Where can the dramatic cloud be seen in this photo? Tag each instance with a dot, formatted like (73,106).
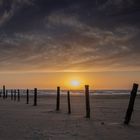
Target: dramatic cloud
(71,35)
(9,8)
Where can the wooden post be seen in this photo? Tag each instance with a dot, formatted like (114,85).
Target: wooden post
(69,105)
(15,96)
(6,95)
(35,97)
(27,97)
(58,99)
(11,94)
(4,92)
(18,95)
(87,101)
(131,104)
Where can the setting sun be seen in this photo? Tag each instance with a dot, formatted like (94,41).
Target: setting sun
(75,83)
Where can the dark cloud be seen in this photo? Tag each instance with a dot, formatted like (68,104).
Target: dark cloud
(48,35)
(10,7)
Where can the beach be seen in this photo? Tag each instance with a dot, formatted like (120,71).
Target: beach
(21,121)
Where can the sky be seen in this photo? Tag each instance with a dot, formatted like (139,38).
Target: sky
(46,43)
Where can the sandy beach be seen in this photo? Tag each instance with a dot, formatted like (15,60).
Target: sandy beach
(19,121)
(78,63)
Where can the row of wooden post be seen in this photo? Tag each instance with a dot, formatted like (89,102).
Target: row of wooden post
(87,100)
(15,95)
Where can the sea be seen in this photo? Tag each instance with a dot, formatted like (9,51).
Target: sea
(75,92)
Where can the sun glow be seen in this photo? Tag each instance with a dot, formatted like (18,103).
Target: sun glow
(75,83)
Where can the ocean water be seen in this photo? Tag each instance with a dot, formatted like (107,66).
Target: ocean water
(76,92)
(95,92)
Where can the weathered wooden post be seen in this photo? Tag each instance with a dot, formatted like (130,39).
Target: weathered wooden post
(87,101)
(6,95)
(18,92)
(35,97)
(15,95)
(131,104)
(11,94)
(4,92)
(27,96)
(69,105)
(58,99)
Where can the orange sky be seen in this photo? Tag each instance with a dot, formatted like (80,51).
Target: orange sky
(96,80)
